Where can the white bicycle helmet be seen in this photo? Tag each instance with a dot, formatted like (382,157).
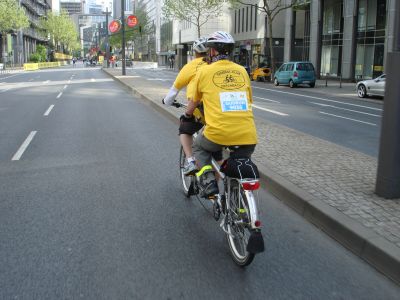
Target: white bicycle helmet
(221,41)
(199,45)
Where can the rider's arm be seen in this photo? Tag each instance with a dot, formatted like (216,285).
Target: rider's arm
(172,93)
(196,96)
(181,81)
(191,107)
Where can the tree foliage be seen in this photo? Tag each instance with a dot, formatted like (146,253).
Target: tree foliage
(196,12)
(271,8)
(61,30)
(143,28)
(12,16)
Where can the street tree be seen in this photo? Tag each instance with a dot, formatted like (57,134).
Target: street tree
(196,12)
(12,17)
(61,30)
(271,8)
(137,34)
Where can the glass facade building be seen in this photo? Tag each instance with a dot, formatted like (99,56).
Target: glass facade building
(371,32)
(332,37)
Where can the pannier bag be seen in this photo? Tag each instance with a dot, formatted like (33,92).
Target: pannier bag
(241,168)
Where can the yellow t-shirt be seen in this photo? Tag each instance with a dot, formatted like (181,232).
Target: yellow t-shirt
(225,90)
(187,73)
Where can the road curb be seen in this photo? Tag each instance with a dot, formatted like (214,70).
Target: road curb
(359,239)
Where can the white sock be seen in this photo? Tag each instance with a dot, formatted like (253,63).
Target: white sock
(191,159)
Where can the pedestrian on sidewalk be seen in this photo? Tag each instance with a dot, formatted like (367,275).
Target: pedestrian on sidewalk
(171,61)
(189,124)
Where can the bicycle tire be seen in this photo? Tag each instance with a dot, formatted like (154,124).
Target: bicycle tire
(186,180)
(238,233)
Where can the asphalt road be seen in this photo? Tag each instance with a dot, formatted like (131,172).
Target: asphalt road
(352,123)
(92,208)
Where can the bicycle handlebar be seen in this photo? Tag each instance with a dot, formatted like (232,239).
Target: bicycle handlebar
(178,104)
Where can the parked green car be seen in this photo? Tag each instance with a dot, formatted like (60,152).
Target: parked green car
(294,73)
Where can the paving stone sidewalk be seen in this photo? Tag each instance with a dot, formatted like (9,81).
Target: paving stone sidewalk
(330,185)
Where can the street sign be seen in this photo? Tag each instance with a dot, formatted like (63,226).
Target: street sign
(131,21)
(114,26)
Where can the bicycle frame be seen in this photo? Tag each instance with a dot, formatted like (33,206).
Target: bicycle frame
(253,211)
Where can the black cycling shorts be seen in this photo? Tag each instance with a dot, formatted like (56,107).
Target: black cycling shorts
(190,127)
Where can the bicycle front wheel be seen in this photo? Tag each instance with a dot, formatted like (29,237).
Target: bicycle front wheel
(238,226)
(186,180)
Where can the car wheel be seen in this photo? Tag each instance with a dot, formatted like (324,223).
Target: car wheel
(292,84)
(312,84)
(362,91)
(276,82)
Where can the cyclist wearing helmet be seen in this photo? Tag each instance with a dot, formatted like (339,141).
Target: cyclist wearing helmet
(188,124)
(225,91)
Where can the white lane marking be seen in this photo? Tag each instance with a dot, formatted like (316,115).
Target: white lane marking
(6,90)
(69,81)
(266,99)
(355,120)
(128,76)
(47,81)
(318,98)
(65,86)
(59,95)
(48,110)
(342,108)
(24,145)
(9,76)
(157,79)
(270,110)
(92,80)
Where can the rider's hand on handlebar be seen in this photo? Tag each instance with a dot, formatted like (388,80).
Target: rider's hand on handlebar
(186,118)
(176,104)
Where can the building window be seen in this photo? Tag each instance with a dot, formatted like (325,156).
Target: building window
(371,36)
(255,17)
(332,38)
(234,25)
(247,18)
(243,19)
(251,17)
(239,20)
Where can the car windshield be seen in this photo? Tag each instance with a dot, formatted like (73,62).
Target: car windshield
(305,67)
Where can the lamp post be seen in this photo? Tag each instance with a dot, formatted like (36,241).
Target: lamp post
(107,41)
(123,35)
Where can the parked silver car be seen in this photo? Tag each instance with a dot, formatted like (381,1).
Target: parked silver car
(372,87)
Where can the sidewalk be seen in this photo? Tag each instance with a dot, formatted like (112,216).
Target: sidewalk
(329,185)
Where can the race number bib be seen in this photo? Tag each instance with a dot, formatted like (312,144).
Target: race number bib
(233,101)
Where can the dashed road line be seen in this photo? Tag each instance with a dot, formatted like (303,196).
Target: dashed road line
(270,110)
(59,95)
(48,110)
(24,145)
(341,117)
(318,98)
(346,109)
(65,86)
(266,99)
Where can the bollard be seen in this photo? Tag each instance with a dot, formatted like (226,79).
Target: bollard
(326,79)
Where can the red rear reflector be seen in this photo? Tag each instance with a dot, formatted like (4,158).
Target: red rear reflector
(257,223)
(251,186)
(295,74)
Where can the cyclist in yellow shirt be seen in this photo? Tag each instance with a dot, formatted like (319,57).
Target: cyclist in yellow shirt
(188,124)
(224,89)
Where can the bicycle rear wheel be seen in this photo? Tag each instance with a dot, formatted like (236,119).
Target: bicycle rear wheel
(186,180)
(238,226)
